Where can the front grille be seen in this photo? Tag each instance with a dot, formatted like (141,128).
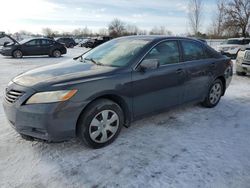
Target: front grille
(247,56)
(13,95)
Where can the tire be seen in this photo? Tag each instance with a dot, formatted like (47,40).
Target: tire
(26,137)
(56,53)
(71,45)
(95,124)
(17,54)
(241,73)
(214,94)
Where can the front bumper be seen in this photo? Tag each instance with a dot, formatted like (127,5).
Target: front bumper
(52,122)
(5,52)
(243,66)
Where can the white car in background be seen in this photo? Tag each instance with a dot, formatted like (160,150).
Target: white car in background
(243,62)
(232,46)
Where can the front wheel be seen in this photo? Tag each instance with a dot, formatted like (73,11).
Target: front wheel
(214,94)
(101,123)
(17,54)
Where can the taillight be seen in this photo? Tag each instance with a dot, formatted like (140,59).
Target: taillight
(231,63)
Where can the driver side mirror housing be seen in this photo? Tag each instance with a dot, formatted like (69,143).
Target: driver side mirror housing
(5,43)
(148,64)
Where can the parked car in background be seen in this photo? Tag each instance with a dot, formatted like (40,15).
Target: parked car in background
(114,84)
(34,46)
(243,62)
(92,43)
(83,42)
(68,41)
(232,46)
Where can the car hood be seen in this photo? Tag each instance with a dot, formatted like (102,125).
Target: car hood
(62,72)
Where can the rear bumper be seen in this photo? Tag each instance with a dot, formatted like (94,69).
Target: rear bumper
(52,122)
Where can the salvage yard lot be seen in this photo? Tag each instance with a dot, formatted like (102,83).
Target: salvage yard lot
(188,146)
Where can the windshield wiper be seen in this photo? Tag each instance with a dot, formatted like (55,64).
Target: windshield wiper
(93,61)
(80,56)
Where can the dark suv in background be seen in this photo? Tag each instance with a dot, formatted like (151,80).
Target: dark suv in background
(113,85)
(92,43)
(69,42)
(33,46)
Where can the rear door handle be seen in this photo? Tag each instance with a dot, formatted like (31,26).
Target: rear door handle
(179,71)
(212,65)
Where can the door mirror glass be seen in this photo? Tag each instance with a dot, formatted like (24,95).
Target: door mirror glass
(149,64)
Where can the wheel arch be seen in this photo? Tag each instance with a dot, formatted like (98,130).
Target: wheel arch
(223,80)
(115,98)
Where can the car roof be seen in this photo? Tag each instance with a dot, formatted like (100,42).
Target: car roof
(160,37)
(37,38)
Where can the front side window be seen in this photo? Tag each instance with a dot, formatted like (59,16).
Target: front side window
(117,53)
(192,51)
(33,43)
(165,52)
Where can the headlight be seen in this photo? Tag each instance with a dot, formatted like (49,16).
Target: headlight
(233,48)
(51,96)
(7,48)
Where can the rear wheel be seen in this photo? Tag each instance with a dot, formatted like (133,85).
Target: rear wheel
(241,73)
(57,53)
(101,123)
(214,94)
(26,137)
(71,45)
(17,54)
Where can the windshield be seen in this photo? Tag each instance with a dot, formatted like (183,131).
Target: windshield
(117,52)
(234,41)
(24,41)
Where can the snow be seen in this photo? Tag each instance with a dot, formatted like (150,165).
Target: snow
(188,146)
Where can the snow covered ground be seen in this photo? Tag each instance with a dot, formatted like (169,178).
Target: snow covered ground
(189,146)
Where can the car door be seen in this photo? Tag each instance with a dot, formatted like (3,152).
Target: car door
(199,69)
(32,47)
(45,46)
(156,89)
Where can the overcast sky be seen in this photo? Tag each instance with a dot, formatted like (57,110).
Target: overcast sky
(66,15)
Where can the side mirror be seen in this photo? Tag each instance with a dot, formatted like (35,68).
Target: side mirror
(149,64)
(5,43)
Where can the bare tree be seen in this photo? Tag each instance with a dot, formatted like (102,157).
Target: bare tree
(103,32)
(195,15)
(48,32)
(162,30)
(218,23)
(131,29)
(116,28)
(237,14)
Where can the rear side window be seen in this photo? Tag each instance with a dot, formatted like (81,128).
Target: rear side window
(166,52)
(46,42)
(192,51)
